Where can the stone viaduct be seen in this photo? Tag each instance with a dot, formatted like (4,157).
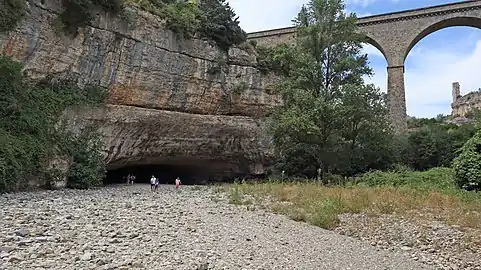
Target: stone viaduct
(395,34)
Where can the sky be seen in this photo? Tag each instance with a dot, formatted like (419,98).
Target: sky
(449,55)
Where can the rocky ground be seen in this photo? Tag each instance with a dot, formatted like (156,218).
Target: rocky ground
(430,242)
(127,227)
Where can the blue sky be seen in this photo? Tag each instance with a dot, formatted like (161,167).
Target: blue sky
(449,55)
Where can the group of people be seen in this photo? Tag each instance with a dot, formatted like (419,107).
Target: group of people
(154,183)
(130,179)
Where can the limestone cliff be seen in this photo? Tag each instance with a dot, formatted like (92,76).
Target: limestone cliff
(168,97)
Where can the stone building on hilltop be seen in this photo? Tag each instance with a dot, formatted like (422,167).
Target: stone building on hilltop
(463,106)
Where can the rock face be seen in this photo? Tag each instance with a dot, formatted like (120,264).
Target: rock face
(218,146)
(151,73)
(462,106)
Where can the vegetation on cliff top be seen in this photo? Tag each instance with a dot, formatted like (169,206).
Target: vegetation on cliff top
(11,11)
(212,19)
(29,138)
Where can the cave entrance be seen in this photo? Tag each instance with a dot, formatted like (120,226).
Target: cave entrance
(189,175)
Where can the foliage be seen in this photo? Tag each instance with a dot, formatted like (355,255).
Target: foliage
(435,144)
(467,166)
(276,59)
(183,18)
(11,11)
(28,115)
(88,167)
(78,13)
(432,179)
(212,19)
(221,24)
(240,87)
(329,118)
(421,195)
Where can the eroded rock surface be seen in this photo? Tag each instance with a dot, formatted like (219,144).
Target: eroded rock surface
(128,227)
(225,144)
(142,63)
(146,66)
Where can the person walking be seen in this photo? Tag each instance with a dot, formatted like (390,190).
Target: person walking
(152,183)
(132,179)
(177,183)
(156,184)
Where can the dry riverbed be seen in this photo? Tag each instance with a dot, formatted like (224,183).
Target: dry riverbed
(442,230)
(127,227)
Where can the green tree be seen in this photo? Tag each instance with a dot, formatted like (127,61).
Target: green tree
(29,113)
(467,166)
(329,117)
(221,24)
(436,144)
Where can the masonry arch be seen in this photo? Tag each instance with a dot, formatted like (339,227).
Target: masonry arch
(451,22)
(375,44)
(434,63)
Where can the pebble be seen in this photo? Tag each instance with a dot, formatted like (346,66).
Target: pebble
(128,227)
(432,243)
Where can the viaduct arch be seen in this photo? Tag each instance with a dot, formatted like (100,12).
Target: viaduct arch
(394,35)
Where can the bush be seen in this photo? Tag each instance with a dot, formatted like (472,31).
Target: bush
(467,166)
(212,19)
(88,168)
(78,13)
(219,23)
(433,179)
(28,116)
(183,18)
(11,11)
(274,59)
(436,144)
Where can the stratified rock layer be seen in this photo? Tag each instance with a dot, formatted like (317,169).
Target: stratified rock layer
(223,144)
(143,65)
(152,72)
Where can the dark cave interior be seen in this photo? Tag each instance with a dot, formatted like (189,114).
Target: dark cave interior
(189,175)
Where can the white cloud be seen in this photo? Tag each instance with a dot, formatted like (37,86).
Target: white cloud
(362,3)
(429,76)
(257,15)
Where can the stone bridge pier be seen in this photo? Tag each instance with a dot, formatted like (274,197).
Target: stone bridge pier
(394,35)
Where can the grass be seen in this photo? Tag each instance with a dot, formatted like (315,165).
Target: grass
(421,195)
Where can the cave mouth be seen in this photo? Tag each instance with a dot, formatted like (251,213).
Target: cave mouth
(189,175)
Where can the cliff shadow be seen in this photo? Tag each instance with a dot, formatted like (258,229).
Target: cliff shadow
(189,175)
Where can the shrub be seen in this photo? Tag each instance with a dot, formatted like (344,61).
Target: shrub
(467,166)
(78,13)
(11,11)
(183,18)
(220,23)
(88,167)
(28,116)
(433,179)
(274,59)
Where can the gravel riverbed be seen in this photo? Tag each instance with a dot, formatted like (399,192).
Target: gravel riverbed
(128,227)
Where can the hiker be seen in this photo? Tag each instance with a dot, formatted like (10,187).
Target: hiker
(177,183)
(152,183)
(156,183)
(132,179)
